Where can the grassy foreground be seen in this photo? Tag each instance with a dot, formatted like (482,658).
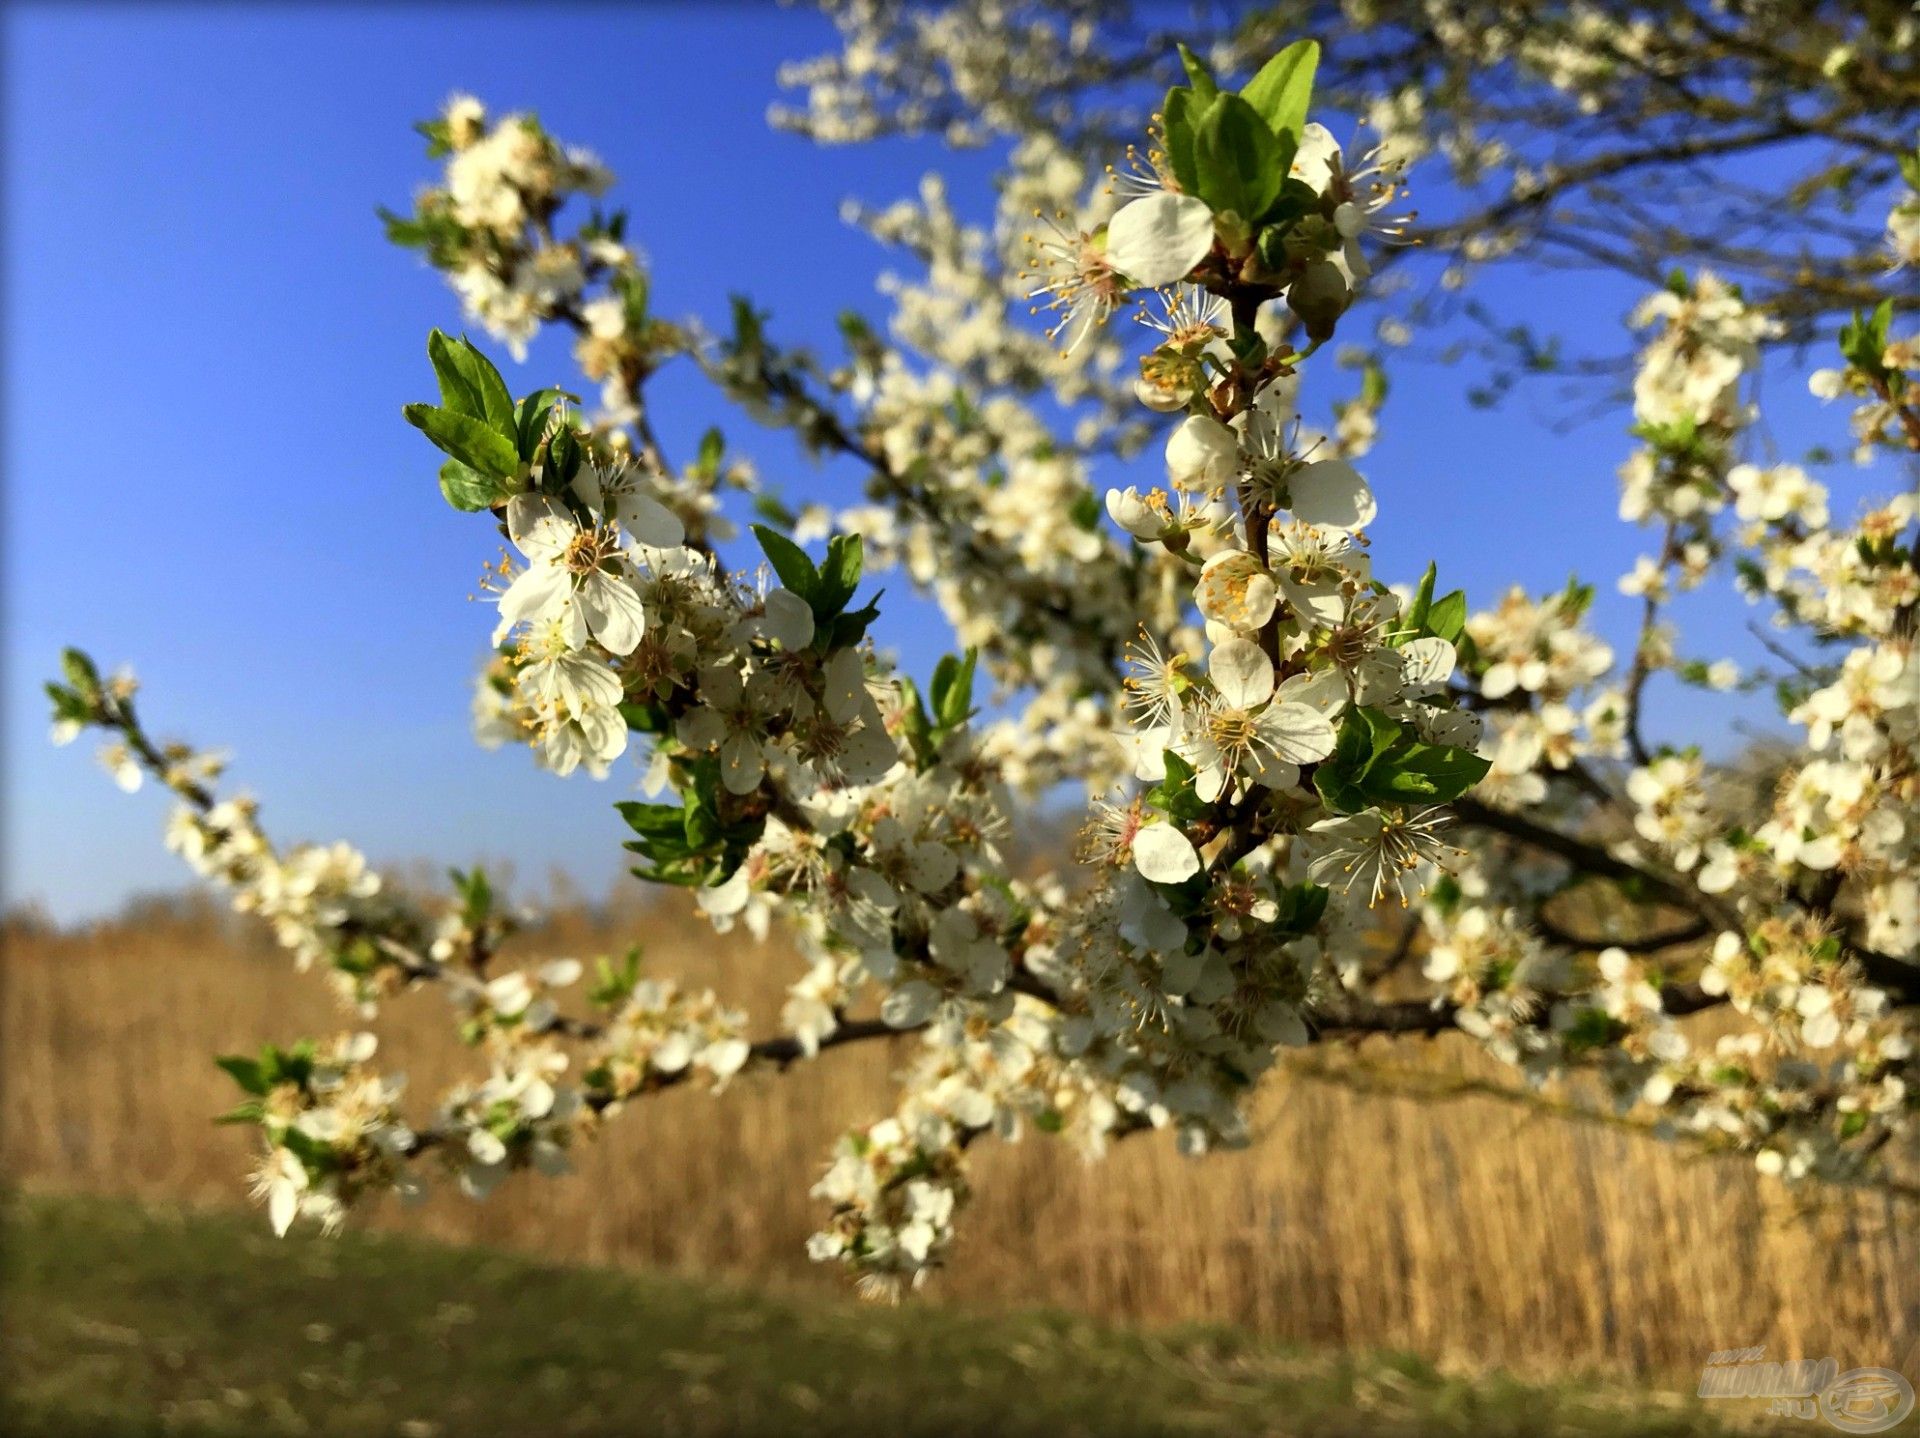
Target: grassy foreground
(120,1320)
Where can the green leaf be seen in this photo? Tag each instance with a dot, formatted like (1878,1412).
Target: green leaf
(850,628)
(1177,118)
(1365,736)
(80,670)
(1416,772)
(652,820)
(476,894)
(1448,616)
(530,418)
(952,689)
(1199,77)
(916,725)
(469,440)
(839,574)
(467,489)
(1175,795)
(1240,165)
(1283,90)
(244,1071)
(1300,908)
(1422,601)
(469,384)
(790,562)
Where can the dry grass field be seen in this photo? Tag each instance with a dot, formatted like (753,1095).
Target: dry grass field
(1472,1229)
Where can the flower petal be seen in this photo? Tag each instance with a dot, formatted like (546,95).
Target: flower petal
(1242,674)
(1202,453)
(1331,492)
(539,525)
(645,520)
(1165,855)
(1237,590)
(1300,735)
(614,611)
(1158,239)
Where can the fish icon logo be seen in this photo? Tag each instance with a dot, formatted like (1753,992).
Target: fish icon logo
(1867,1400)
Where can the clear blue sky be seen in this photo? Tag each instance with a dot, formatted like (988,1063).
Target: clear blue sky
(207,343)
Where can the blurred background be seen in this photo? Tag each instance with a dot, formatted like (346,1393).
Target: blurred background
(207,344)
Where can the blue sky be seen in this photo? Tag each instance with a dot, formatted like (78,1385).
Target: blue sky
(208,343)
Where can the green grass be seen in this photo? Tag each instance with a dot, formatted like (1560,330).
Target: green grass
(120,1320)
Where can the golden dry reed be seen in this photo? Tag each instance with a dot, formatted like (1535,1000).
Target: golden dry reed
(1472,1229)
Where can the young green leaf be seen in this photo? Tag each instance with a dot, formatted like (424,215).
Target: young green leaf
(469,440)
(467,489)
(1283,90)
(1422,601)
(1198,76)
(244,1071)
(1424,773)
(790,562)
(1177,116)
(469,384)
(1241,166)
(1448,616)
(840,573)
(952,689)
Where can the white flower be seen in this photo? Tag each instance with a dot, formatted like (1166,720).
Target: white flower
(1331,492)
(1375,849)
(1202,453)
(1077,283)
(1165,855)
(281,1179)
(910,1005)
(565,678)
(616,494)
(787,619)
(1237,590)
(1157,240)
(1239,727)
(577,577)
(118,761)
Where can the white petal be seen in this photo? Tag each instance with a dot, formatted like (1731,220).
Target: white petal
(1158,239)
(1165,855)
(614,611)
(1321,689)
(1429,663)
(647,521)
(1331,492)
(789,619)
(868,755)
(535,594)
(282,1204)
(913,1003)
(1313,161)
(725,1057)
(741,764)
(844,686)
(540,525)
(1202,453)
(1235,589)
(1301,735)
(1242,673)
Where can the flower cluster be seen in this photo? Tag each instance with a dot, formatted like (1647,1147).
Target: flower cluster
(1288,750)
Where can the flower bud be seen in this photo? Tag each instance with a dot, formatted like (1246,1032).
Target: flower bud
(1202,454)
(1318,298)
